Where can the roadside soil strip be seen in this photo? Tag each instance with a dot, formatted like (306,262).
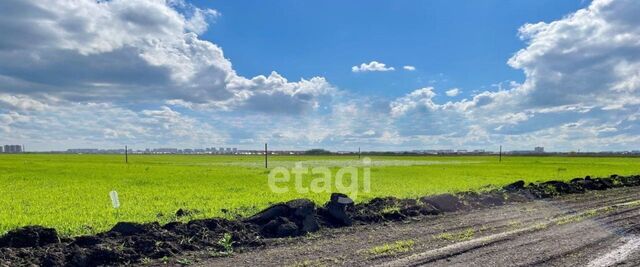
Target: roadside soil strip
(576,230)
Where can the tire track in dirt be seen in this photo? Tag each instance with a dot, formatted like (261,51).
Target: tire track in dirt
(523,240)
(598,245)
(619,254)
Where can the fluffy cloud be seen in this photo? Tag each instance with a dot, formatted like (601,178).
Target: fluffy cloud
(421,98)
(453,92)
(581,87)
(61,123)
(372,66)
(131,51)
(591,56)
(409,68)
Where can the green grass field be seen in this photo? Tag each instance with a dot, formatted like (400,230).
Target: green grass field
(70,192)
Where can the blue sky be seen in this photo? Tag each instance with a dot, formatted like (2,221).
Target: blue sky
(463,44)
(381,75)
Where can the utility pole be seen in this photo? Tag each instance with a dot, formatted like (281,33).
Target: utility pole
(359,153)
(126,154)
(500,157)
(266,156)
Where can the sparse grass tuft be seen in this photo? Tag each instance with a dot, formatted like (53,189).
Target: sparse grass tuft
(309,263)
(584,215)
(457,236)
(184,262)
(391,249)
(317,262)
(390,210)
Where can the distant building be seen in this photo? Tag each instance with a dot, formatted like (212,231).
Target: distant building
(1,149)
(12,148)
(235,150)
(166,150)
(538,149)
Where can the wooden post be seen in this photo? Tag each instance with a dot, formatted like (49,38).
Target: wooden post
(500,157)
(126,154)
(266,156)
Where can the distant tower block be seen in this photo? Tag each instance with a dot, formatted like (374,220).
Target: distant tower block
(12,149)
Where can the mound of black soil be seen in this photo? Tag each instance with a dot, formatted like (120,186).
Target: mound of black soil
(130,242)
(125,243)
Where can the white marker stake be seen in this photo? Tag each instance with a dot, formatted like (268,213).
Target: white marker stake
(114,199)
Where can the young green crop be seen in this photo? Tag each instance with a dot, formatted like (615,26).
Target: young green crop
(71,192)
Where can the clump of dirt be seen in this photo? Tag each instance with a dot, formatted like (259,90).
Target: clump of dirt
(335,212)
(129,242)
(30,236)
(292,218)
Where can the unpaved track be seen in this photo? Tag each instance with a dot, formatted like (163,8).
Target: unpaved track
(598,228)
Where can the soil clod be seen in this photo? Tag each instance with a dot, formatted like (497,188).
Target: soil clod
(335,211)
(293,218)
(29,236)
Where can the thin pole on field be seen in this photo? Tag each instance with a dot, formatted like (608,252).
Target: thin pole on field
(359,153)
(500,157)
(266,156)
(126,154)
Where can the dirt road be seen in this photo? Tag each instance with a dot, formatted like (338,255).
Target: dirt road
(598,228)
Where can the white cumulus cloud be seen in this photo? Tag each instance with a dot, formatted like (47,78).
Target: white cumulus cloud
(372,66)
(453,92)
(131,51)
(409,67)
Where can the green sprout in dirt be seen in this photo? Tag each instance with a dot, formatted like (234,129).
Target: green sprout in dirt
(145,261)
(184,262)
(390,249)
(227,244)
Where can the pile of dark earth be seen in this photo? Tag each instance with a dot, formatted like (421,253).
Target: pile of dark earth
(128,243)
